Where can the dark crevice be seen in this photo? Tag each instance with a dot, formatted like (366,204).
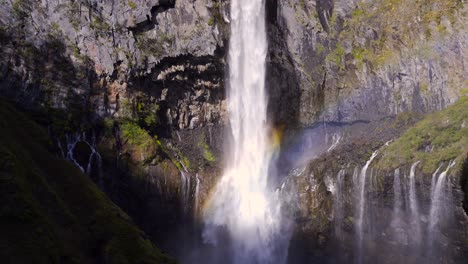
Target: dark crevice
(464,184)
(150,21)
(324,10)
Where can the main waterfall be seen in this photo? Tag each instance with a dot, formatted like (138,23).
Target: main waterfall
(243,214)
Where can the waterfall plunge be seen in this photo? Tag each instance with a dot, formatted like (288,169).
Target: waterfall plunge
(242,207)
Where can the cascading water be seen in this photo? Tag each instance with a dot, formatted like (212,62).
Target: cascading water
(398,224)
(243,207)
(338,203)
(197,194)
(361,204)
(438,204)
(414,207)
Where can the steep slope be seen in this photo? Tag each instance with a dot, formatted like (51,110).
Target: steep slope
(53,213)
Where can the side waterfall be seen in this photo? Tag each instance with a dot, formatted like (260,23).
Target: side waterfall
(361,204)
(440,200)
(243,215)
(338,204)
(414,207)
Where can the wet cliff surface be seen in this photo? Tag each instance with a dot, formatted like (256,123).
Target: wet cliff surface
(133,94)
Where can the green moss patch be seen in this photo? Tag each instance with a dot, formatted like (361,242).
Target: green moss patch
(441,136)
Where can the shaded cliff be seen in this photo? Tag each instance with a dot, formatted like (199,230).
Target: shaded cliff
(53,213)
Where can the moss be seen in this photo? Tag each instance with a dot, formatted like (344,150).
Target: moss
(393,26)
(211,21)
(132,5)
(53,212)
(320,48)
(442,136)
(207,154)
(135,135)
(337,56)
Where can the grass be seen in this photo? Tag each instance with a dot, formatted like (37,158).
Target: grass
(441,136)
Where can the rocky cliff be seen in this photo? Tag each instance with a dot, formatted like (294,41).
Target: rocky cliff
(133,93)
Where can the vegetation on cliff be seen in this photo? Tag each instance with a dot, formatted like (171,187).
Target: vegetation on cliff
(441,136)
(53,213)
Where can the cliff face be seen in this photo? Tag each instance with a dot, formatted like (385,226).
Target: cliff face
(102,53)
(134,90)
(131,91)
(365,60)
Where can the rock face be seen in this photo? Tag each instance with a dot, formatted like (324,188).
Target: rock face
(132,92)
(352,60)
(102,52)
(145,81)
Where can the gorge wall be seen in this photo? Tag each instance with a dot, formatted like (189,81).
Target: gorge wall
(142,83)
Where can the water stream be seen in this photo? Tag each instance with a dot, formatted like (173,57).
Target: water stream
(361,205)
(243,215)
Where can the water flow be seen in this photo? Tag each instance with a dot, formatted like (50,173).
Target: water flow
(242,207)
(338,204)
(361,203)
(438,203)
(397,221)
(197,194)
(184,190)
(414,208)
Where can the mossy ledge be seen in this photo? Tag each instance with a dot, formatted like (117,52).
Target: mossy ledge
(439,137)
(53,213)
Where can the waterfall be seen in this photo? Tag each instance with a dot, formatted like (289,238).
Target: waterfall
(184,190)
(338,204)
(440,201)
(414,208)
(397,224)
(197,194)
(242,209)
(433,182)
(71,144)
(361,204)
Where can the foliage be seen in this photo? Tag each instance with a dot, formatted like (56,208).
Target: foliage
(135,135)
(441,136)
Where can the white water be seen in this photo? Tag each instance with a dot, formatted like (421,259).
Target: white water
(361,204)
(242,206)
(414,207)
(438,203)
(397,202)
(398,224)
(197,194)
(338,203)
(185,190)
